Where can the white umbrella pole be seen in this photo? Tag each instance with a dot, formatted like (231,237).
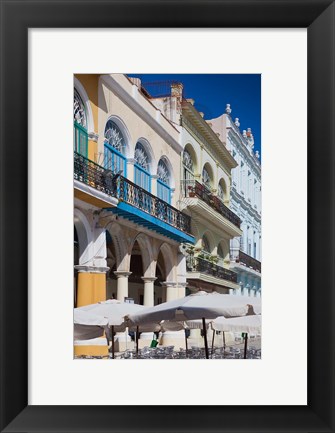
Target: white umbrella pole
(205,337)
(113,348)
(245,345)
(213,342)
(136,341)
(186,346)
(224,339)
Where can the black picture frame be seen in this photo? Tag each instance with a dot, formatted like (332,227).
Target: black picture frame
(16,17)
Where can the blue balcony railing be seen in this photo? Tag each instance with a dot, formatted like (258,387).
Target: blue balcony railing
(115,185)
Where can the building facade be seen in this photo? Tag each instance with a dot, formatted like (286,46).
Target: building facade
(205,172)
(127,228)
(245,201)
(156,211)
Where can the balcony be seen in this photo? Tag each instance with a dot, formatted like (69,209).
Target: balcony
(246,260)
(193,189)
(198,268)
(133,202)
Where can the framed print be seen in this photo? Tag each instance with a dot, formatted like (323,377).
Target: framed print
(43,46)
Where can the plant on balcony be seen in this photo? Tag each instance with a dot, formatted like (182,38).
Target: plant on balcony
(213,259)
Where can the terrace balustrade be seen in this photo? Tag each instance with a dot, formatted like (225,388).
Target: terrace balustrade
(197,264)
(193,188)
(246,260)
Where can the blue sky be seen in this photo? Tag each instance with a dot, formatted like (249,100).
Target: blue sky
(212,92)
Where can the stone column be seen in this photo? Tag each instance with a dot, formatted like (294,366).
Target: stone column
(148,298)
(181,275)
(173,338)
(172,291)
(122,284)
(91,286)
(148,301)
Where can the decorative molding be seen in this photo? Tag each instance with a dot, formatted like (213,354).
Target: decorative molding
(93,136)
(119,274)
(149,279)
(203,143)
(92,269)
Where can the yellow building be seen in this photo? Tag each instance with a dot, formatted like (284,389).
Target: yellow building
(128,227)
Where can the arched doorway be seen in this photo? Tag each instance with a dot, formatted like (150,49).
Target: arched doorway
(160,292)
(135,282)
(111,280)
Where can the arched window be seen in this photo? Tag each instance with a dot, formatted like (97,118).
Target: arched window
(205,244)
(206,179)
(220,252)
(222,190)
(80,136)
(188,172)
(141,168)
(188,166)
(115,147)
(163,182)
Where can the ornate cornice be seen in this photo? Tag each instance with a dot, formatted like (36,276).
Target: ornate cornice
(92,269)
(237,198)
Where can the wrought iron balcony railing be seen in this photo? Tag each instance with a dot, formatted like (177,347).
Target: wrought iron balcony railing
(246,260)
(193,188)
(117,186)
(92,174)
(196,264)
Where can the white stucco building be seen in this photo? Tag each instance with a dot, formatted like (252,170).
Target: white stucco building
(127,219)
(245,201)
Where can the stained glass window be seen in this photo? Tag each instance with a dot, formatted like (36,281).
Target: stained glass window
(141,156)
(221,191)
(141,168)
(79,114)
(163,172)
(163,181)
(187,160)
(80,137)
(114,136)
(206,179)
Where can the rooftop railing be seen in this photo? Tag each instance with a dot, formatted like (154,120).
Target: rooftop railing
(115,185)
(193,188)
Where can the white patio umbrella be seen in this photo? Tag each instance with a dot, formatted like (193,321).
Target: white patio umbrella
(87,325)
(238,324)
(244,324)
(113,311)
(199,305)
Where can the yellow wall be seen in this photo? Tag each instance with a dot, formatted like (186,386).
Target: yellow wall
(91,350)
(91,288)
(90,83)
